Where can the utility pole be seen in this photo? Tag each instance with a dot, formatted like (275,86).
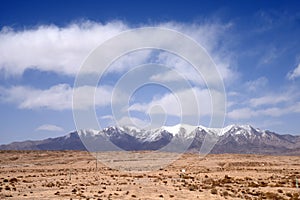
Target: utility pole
(96,160)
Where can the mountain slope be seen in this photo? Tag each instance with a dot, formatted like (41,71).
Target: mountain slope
(70,142)
(231,139)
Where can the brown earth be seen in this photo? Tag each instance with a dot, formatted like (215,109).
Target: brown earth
(73,175)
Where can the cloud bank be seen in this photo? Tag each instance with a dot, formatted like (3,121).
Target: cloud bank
(57,97)
(63,49)
(49,127)
(52,48)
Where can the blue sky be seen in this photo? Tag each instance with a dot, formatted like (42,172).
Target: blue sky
(255,45)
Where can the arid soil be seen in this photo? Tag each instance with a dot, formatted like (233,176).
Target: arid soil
(77,175)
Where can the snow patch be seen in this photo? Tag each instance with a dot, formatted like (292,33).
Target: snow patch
(172,129)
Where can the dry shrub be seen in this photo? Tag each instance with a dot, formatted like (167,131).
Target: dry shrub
(271,195)
(214,191)
(279,191)
(225,193)
(13,180)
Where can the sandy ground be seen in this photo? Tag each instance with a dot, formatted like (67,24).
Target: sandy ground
(143,175)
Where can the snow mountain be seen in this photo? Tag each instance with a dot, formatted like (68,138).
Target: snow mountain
(178,138)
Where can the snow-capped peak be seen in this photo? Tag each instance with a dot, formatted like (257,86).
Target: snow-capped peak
(172,129)
(88,132)
(183,131)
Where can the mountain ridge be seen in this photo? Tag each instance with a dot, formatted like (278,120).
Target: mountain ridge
(230,139)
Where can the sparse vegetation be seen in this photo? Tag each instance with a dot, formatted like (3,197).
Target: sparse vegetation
(51,175)
(214,191)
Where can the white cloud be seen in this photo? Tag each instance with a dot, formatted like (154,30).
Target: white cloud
(275,111)
(257,84)
(58,97)
(130,60)
(233,94)
(181,67)
(270,55)
(270,105)
(207,34)
(210,36)
(296,107)
(185,69)
(51,48)
(294,74)
(248,113)
(107,117)
(269,100)
(102,97)
(187,103)
(241,113)
(49,127)
(270,123)
(63,49)
(133,121)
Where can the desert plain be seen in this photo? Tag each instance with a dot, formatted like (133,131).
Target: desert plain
(145,175)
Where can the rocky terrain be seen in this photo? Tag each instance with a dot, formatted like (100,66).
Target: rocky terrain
(77,175)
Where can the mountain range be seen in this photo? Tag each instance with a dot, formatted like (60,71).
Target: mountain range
(180,138)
